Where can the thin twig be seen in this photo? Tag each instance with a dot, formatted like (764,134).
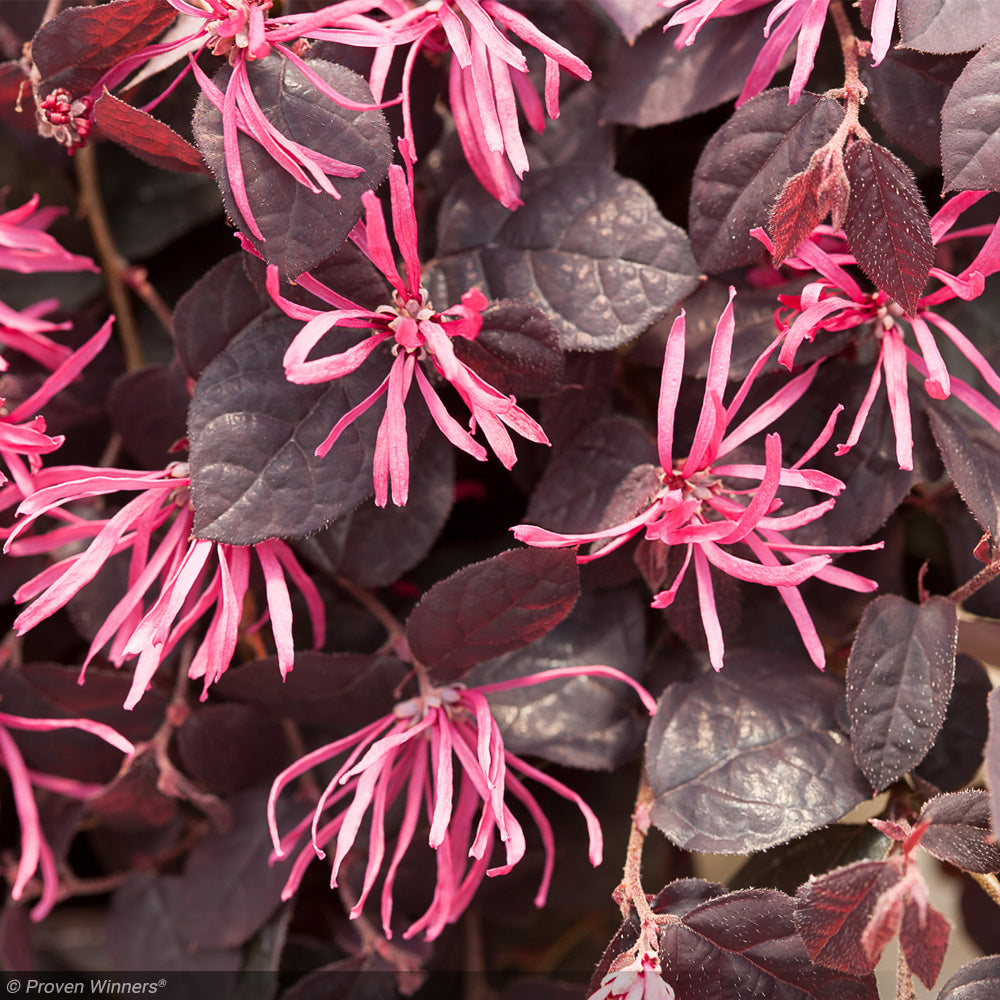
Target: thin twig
(112,262)
(989,884)
(986,575)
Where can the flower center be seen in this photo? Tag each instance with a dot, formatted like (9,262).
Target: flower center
(417,708)
(231,34)
(66,120)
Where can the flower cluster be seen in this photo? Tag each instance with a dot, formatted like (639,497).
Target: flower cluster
(699,508)
(411,754)
(416,332)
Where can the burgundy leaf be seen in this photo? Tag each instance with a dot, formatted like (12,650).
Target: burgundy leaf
(490,608)
(899,680)
(229,887)
(783,771)
(76,47)
(214,309)
(633,16)
(977,980)
(254,471)
(947,25)
(148,408)
(145,136)
(301,227)
(906,93)
(972,458)
(338,691)
(887,224)
(654,83)
(970,126)
(744,164)
(833,911)
(588,247)
(960,831)
(133,801)
(374,546)
(957,753)
(589,722)
(991,757)
(517,350)
(806,200)
(745,944)
(584,480)
(228,748)
(148,930)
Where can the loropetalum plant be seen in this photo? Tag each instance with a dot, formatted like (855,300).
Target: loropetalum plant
(435,659)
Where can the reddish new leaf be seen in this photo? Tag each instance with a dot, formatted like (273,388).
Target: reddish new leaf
(744,163)
(806,200)
(970,126)
(947,25)
(923,937)
(899,680)
(490,608)
(887,224)
(145,136)
(76,47)
(743,944)
(960,832)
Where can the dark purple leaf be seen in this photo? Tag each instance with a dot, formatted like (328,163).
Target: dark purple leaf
(374,546)
(148,930)
(145,136)
(784,770)
(887,224)
(517,350)
(584,480)
(228,748)
(970,126)
(579,135)
(633,16)
(339,691)
(787,866)
(590,722)
(960,832)
(585,396)
(228,888)
(133,801)
(254,471)
(957,753)
(366,976)
(906,92)
(972,458)
(216,308)
(52,691)
(654,83)
(76,47)
(490,608)
(833,911)
(300,227)
(745,164)
(899,680)
(587,247)
(979,918)
(148,409)
(947,25)
(744,944)
(977,980)
(991,757)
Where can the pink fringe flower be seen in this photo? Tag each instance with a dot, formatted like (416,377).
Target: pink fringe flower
(697,508)
(242,31)
(27,249)
(188,577)
(22,430)
(835,301)
(410,754)
(35,850)
(789,20)
(416,332)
